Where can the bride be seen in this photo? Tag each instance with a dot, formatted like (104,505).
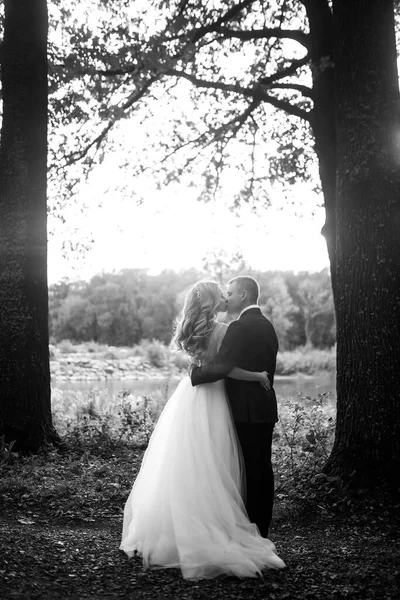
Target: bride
(186,506)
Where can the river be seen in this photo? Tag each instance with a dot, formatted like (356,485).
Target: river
(69,395)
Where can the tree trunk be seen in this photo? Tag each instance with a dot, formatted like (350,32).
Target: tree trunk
(319,17)
(367,442)
(25,413)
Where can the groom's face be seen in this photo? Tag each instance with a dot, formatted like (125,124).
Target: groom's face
(234,298)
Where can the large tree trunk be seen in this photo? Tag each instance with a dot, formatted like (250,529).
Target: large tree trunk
(319,17)
(326,151)
(367,441)
(25,414)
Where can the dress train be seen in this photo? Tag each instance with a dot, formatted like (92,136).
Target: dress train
(185,509)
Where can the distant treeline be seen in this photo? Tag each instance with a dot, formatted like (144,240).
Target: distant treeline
(124,308)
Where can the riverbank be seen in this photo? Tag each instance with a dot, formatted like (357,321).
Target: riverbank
(83,366)
(153,360)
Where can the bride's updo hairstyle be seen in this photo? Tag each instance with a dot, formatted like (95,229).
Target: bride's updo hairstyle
(193,330)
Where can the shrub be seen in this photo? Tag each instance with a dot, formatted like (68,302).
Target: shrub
(179,360)
(305,360)
(156,353)
(93,347)
(110,355)
(136,419)
(86,426)
(67,347)
(91,433)
(303,439)
(6,451)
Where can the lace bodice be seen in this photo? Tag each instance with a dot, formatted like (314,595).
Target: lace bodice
(216,338)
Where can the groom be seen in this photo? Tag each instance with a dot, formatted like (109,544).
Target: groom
(250,343)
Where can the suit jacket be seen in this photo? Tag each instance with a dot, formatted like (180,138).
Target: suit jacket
(250,343)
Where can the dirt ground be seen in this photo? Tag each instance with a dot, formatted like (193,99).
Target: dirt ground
(328,556)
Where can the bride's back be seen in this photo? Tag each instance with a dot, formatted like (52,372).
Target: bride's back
(215,342)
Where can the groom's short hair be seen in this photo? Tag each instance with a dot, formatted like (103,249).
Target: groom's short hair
(251,285)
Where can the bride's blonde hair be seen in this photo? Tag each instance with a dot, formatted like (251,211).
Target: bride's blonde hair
(194,328)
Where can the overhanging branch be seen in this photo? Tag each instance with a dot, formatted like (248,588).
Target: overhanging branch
(267,33)
(257,93)
(216,85)
(230,14)
(286,71)
(303,89)
(291,109)
(78,155)
(97,141)
(211,136)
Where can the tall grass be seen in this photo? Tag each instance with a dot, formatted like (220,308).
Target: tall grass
(302,437)
(105,447)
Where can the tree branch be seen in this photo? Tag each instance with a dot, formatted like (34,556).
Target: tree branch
(230,14)
(80,154)
(216,85)
(138,94)
(303,89)
(132,98)
(233,124)
(256,34)
(257,93)
(128,70)
(291,109)
(236,122)
(286,71)
(210,136)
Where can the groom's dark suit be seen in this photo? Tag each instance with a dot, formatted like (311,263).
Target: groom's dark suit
(250,343)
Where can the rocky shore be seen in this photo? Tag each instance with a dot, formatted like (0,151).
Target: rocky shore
(81,367)
(113,363)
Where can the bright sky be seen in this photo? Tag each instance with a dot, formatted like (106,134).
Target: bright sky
(173,230)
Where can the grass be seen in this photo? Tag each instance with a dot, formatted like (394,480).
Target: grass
(61,514)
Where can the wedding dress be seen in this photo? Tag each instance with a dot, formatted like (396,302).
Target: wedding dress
(186,506)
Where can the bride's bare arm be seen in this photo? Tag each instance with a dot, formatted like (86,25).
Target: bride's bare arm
(244,375)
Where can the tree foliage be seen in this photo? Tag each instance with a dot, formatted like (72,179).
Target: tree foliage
(221,70)
(124,308)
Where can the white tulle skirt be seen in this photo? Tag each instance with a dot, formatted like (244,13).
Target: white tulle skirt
(186,509)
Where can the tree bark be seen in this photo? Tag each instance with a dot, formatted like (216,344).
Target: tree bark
(320,22)
(367,443)
(25,413)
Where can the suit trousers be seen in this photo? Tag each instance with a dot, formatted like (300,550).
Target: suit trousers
(256,442)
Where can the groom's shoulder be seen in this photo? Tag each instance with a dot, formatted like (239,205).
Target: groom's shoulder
(234,327)
(267,321)
(261,321)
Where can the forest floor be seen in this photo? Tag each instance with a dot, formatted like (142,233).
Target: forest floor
(60,527)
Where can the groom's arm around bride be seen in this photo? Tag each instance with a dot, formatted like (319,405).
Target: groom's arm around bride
(250,343)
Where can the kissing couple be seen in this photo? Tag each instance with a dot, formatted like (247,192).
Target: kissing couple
(202,500)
